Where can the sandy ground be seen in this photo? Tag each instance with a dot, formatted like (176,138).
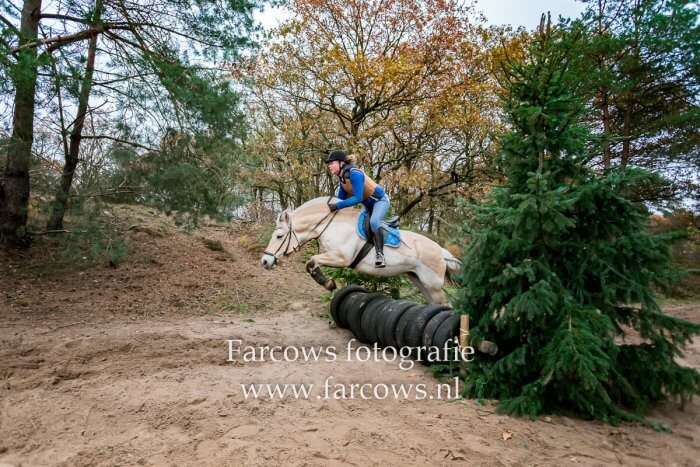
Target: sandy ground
(129,365)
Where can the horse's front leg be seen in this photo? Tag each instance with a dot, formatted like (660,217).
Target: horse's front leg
(333,258)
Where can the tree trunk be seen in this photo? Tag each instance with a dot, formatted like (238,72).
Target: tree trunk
(16,188)
(606,128)
(283,199)
(76,136)
(635,78)
(604,95)
(626,138)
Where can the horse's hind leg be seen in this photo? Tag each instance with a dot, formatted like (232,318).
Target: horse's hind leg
(333,258)
(431,292)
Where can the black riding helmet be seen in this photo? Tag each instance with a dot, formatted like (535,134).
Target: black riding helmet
(336,155)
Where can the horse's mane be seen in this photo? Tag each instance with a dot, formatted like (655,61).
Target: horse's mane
(313,202)
(309,203)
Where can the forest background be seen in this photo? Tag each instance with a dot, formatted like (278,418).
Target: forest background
(195,109)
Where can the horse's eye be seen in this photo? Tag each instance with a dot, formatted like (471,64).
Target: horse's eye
(279,236)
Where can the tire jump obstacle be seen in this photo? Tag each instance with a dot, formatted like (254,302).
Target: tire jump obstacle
(376,318)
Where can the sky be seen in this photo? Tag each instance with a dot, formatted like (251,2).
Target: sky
(514,12)
(527,13)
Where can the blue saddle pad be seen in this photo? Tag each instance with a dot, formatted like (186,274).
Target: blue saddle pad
(393,238)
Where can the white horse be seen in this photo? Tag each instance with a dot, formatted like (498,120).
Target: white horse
(425,262)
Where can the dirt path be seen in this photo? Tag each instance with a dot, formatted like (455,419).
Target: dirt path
(129,366)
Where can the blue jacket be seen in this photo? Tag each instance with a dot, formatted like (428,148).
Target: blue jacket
(357,180)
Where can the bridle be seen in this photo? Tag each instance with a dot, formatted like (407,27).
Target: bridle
(290,232)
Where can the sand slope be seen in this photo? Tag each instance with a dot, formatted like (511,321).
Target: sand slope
(129,366)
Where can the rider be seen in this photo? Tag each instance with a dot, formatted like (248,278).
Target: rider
(356,187)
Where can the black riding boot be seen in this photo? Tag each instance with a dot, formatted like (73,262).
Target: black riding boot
(379,245)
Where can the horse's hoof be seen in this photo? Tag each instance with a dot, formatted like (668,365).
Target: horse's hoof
(329,284)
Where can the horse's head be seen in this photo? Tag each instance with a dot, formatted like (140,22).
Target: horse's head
(283,241)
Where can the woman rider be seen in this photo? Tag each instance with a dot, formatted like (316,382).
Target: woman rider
(356,187)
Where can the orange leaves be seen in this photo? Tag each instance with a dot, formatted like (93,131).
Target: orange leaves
(387,51)
(406,84)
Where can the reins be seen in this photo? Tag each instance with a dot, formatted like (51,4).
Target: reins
(290,232)
(299,244)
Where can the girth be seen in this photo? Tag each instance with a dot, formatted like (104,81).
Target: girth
(369,244)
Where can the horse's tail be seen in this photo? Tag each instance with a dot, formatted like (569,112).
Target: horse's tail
(454,266)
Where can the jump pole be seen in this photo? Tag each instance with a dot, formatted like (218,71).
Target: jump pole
(463,340)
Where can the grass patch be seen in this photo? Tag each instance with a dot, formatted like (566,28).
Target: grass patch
(213,245)
(234,307)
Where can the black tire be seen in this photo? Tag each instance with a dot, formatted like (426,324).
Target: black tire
(338,298)
(446,332)
(406,318)
(369,318)
(349,307)
(432,326)
(378,322)
(355,319)
(414,331)
(388,321)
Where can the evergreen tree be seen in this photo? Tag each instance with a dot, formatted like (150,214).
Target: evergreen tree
(559,267)
(191,175)
(640,63)
(150,65)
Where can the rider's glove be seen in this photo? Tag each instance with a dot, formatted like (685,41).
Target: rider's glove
(333,207)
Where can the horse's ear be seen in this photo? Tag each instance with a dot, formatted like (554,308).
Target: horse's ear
(285,216)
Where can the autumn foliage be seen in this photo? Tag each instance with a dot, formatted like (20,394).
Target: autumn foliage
(404,84)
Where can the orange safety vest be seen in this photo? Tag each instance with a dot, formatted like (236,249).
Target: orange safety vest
(368,188)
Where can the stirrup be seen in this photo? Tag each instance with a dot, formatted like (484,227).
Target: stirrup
(379,261)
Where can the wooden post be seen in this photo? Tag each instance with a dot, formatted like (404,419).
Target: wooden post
(463,339)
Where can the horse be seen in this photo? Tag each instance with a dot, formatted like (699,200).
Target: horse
(426,263)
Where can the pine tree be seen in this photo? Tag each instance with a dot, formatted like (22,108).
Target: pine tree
(559,266)
(640,63)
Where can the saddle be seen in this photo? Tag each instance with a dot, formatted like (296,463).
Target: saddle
(389,230)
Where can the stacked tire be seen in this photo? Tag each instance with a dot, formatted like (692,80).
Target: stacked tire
(376,318)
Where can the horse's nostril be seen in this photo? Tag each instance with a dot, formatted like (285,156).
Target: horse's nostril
(266,263)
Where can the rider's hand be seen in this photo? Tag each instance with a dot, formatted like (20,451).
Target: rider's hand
(333,207)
